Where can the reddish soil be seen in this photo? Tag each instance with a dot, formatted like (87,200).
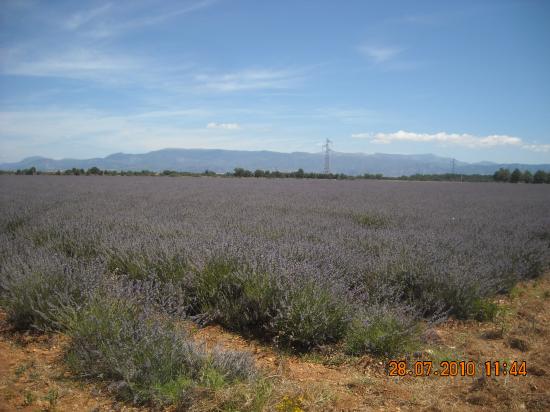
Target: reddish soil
(32,376)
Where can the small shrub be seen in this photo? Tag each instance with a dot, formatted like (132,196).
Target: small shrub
(304,315)
(493,334)
(463,301)
(414,284)
(151,359)
(127,265)
(234,365)
(515,292)
(21,369)
(483,310)
(52,397)
(530,264)
(72,243)
(543,235)
(518,343)
(75,247)
(290,404)
(28,398)
(215,283)
(172,391)
(434,294)
(11,226)
(245,397)
(371,220)
(169,298)
(170,269)
(240,299)
(310,315)
(138,266)
(382,334)
(114,340)
(34,294)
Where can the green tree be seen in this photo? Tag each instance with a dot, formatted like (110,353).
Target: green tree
(527,177)
(94,171)
(539,177)
(75,171)
(502,175)
(240,172)
(515,176)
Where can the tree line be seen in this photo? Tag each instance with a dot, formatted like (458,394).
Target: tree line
(93,171)
(516,176)
(501,175)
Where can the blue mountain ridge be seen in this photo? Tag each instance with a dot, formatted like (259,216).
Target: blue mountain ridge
(221,161)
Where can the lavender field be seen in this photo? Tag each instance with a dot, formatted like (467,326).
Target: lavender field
(118,261)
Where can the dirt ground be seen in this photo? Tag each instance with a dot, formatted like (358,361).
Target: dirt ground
(32,377)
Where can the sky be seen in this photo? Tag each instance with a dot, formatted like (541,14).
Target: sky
(462,79)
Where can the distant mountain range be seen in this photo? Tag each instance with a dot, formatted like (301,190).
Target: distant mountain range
(221,161)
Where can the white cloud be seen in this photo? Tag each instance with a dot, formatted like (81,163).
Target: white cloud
(225,126)
(379,54)
(466,140)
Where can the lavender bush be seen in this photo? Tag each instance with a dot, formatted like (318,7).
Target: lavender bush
(299,262)
(36,287)
(149,358)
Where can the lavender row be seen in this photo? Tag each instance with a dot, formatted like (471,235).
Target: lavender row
(200,247)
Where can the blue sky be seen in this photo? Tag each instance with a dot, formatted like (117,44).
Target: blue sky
(466,79)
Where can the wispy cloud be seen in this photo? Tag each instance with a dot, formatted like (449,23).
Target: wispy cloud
(75,63)
(57,130)
(379,54)
(348,114)
(122,23)
(53,124)
(81,18)
(544,148)
(85,133)
(250,79)
(117,68)
(464,139)
(224,126)
(78,56)
(180,113)
(418,19)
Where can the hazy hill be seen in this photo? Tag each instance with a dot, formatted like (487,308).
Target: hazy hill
(198,160)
